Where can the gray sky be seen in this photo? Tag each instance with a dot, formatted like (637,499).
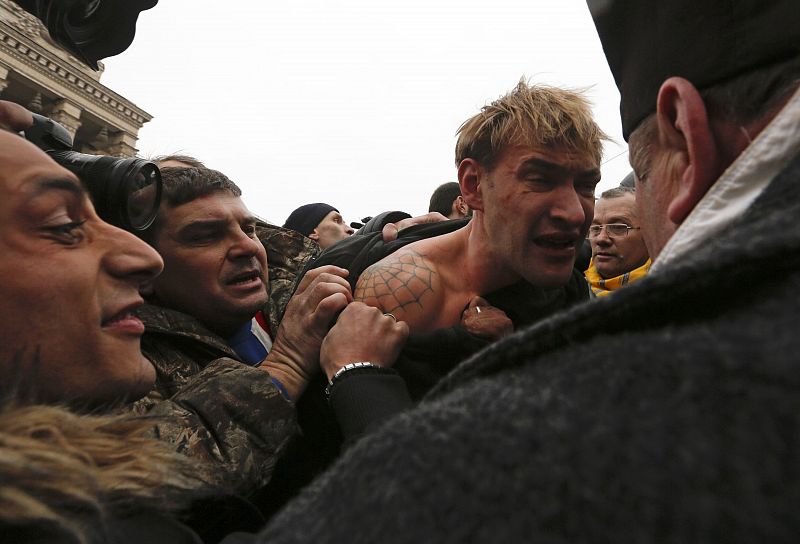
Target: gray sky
(350,102)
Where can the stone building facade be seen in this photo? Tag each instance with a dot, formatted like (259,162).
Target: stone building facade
(40,75)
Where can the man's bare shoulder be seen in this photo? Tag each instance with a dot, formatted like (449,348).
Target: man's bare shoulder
(405,284)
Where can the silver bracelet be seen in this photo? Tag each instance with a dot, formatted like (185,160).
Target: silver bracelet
(345,368)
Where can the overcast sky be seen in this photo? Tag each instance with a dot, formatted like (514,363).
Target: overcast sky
(354,103)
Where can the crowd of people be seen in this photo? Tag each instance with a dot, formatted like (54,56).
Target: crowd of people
(527,362)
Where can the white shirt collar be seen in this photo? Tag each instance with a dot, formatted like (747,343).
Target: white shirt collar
(739,186)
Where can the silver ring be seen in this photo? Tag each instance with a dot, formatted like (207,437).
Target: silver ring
(392,316)
(478,308)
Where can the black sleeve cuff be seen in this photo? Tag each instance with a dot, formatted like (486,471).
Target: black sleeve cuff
(363,399)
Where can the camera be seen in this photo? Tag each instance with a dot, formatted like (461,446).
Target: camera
(125,192)
(90,29)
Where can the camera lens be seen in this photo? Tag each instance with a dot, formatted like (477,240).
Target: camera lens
(143,190)
(89,29)
(125,192)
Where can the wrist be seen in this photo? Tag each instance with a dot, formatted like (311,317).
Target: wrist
(290,375)
(331,368)
(361,366)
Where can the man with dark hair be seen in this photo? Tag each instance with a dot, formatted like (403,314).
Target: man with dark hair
(447,200)
(321,222)
(669,412)
(619,256)
(219,304)
(177,161)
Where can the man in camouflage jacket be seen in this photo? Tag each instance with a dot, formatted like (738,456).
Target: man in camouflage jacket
(212,405)
(180,346)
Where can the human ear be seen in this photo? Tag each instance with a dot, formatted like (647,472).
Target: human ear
(684,131)
(470,175)
(457,207)
(314,235)
(462,206)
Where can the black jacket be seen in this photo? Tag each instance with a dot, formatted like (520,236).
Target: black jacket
(669,412)
(362,402)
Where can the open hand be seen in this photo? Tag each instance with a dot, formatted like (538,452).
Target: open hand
(391,230)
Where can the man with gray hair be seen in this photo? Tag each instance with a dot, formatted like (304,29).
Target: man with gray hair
(619,256)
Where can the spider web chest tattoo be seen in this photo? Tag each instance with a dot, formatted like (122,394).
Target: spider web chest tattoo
(397,284)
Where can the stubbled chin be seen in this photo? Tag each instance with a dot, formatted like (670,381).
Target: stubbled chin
(248,307)
(606,271)
(551,279)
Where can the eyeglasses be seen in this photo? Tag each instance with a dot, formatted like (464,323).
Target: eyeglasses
(613,230)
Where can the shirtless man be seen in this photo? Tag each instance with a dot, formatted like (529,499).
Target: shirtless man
(527,165)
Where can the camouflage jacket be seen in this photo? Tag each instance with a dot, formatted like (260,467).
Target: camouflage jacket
(180,346)
(288,253)
(213,406)
(230,415)
(210,405)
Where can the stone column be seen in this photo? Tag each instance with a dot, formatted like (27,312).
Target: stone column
(35,105)
(101,140)
(4,72)
(121,144)
(68,114)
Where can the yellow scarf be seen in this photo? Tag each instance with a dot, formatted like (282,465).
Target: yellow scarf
(602,287)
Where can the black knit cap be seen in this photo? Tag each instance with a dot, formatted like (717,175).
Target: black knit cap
(704,41)
(306,218)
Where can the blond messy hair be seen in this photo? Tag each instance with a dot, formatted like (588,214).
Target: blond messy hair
(537,115)
(62,473)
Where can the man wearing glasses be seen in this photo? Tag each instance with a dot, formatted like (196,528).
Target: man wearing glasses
(619,255)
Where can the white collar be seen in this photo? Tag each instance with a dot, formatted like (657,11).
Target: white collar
(739,186)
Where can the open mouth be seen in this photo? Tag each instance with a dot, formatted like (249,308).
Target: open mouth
(125,322)
(125,313)
(245,278)
(119,318)
(556,242)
